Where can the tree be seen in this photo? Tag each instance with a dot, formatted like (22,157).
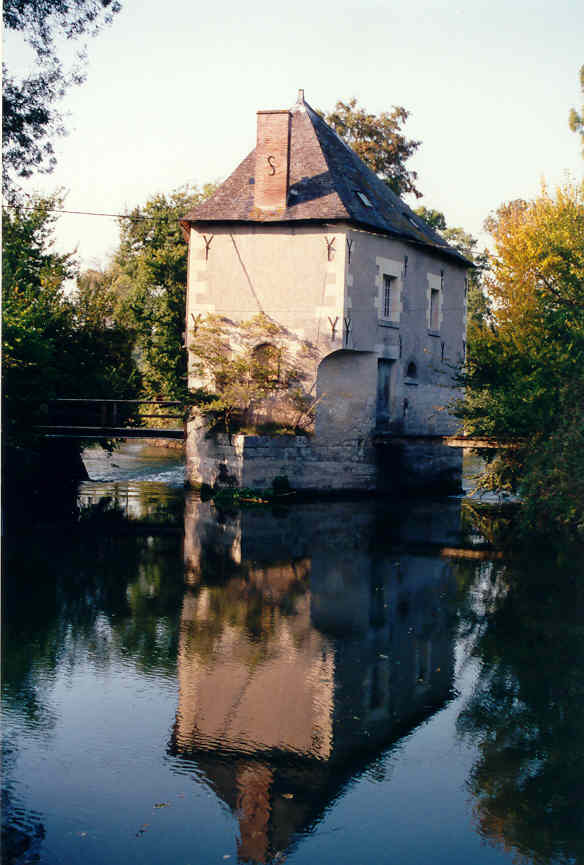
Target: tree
(525,374)
(525,715)
(94,300)
(147,279)
(434,218)
(379,141)
(575,119)
(30,117)
(50,347)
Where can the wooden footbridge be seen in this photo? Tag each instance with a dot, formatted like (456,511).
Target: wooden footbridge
(123,419)
(112,419)
(451,441)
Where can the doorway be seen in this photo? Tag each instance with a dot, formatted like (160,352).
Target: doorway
(384,369)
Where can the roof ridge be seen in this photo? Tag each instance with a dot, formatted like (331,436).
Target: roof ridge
(319,117)
(327,182)
(402,207)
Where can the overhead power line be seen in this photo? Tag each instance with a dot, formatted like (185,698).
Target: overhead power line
(92,213)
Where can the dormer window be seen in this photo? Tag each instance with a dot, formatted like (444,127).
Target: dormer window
(363,198)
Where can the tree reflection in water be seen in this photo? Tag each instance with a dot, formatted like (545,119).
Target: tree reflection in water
(525,627)
(64,594)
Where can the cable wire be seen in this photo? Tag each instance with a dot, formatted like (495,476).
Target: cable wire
(92,213)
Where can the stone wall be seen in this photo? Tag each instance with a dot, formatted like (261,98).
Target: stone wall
(425,361)
(285,272)
(368,368)
(254,461)
(351,465)
(427,466)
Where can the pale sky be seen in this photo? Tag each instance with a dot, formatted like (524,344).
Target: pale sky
(173,89)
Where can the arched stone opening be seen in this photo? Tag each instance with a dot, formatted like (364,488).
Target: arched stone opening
(266,363)
(412,370)
(346,388)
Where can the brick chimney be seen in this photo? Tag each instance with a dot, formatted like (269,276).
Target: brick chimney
(272,160)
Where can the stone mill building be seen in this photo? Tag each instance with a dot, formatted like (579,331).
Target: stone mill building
(371,299)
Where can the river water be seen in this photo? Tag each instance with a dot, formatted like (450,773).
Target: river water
(333,682)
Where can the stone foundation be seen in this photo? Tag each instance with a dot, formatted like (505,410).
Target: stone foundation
(353,465)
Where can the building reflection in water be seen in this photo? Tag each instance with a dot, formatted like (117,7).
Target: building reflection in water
(310,642)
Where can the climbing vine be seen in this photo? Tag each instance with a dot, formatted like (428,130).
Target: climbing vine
(253,376)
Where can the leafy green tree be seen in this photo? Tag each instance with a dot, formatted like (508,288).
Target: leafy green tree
(36,316)
(95,302)
(379,141)
(50,347)
(575,119)
(147,280)
(30,117)
(525,376)
(434,218)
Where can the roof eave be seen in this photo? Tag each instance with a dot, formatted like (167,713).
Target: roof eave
(445,251)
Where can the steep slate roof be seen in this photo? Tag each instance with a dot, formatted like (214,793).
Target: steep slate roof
(325,176)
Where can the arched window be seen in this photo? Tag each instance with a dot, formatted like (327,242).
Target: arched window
(266,363)
(412,371)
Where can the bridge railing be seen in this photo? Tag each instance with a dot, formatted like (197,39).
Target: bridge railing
(113,418)
(466,442)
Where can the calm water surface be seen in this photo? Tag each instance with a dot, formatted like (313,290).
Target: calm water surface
(339,682)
